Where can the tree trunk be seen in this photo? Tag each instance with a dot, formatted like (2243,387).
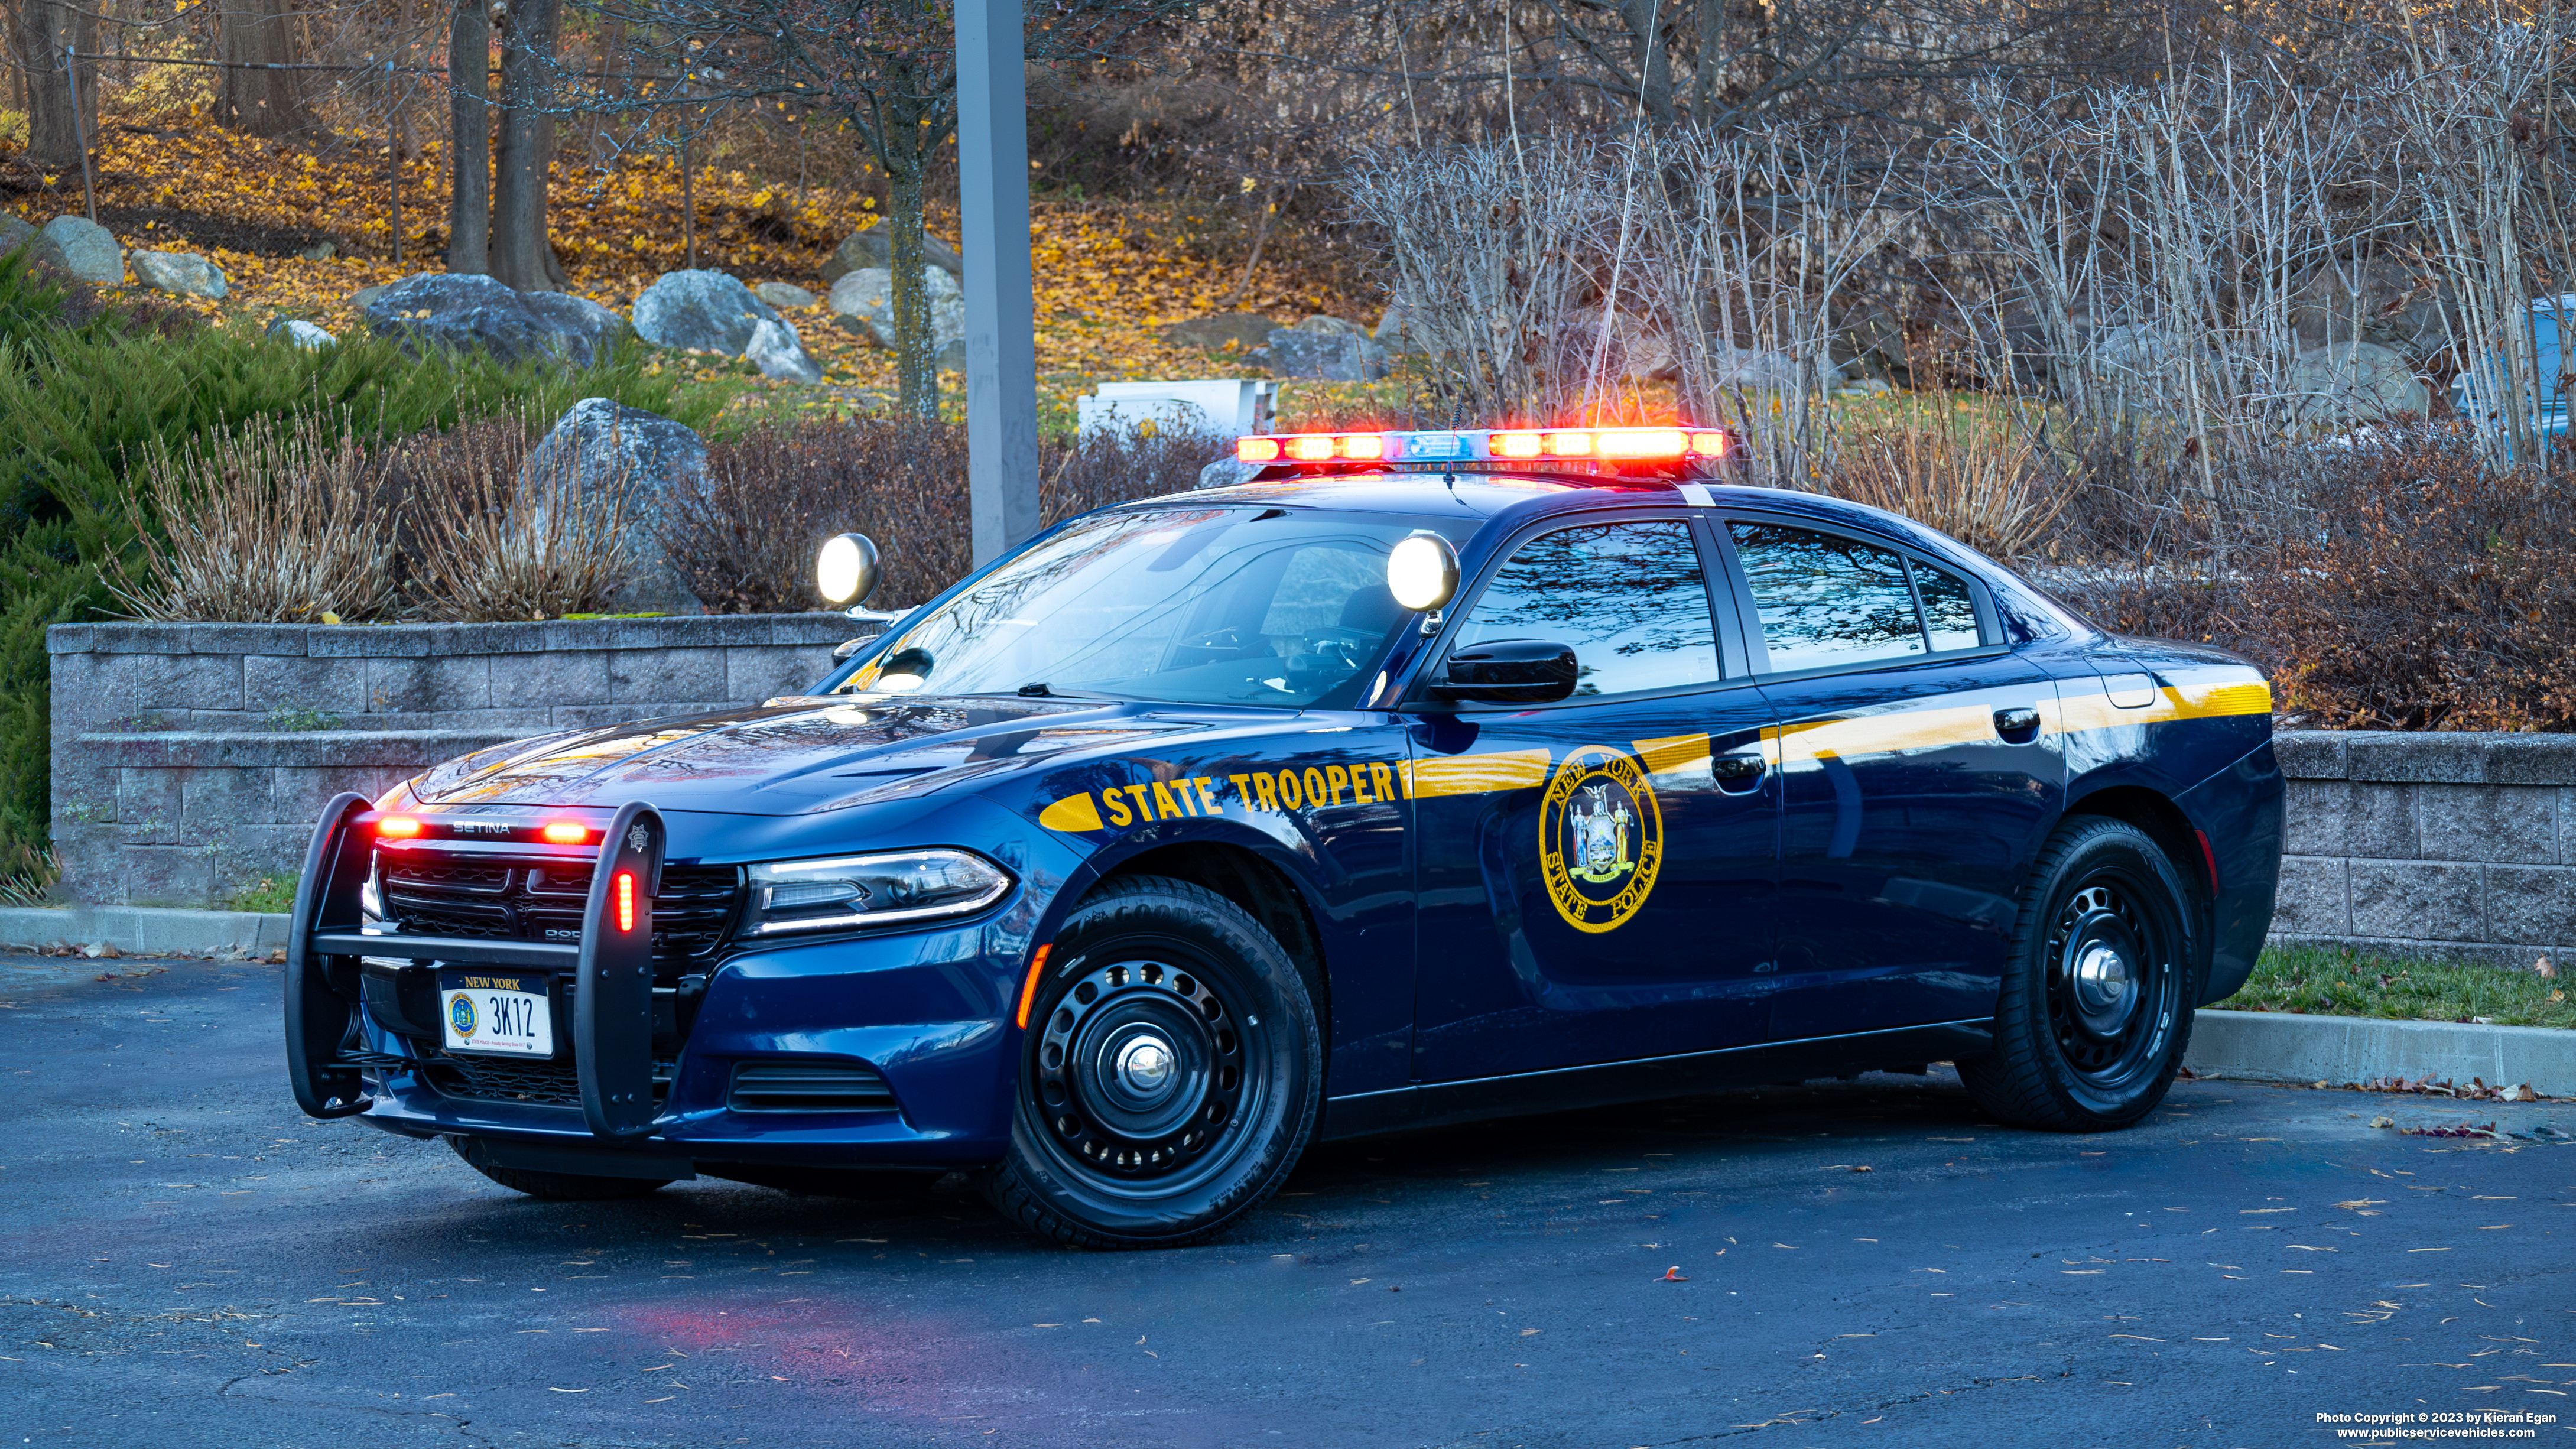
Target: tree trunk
(44,28)
(916,364)
(469,80)
(261,102)
(520,253)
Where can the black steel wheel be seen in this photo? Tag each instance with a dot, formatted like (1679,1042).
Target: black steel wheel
(1168,1080)
(2098,993)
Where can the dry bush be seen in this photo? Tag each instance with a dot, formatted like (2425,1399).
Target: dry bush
(2398,587)
(281,523)
(1990,493)
(747,544)
(491,545)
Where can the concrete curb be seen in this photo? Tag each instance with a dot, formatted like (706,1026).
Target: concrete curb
(143,931)
(2279,1046)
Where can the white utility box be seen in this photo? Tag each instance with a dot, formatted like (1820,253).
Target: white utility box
(1232,406)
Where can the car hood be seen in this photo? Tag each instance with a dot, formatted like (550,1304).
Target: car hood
(791,756)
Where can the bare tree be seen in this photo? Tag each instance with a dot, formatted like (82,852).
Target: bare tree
(469,79)
(44,29)
(256,34)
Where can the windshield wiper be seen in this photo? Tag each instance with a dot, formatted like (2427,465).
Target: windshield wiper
(1042,690)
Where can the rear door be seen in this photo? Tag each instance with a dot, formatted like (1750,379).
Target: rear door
(1916,779)
(1596,875)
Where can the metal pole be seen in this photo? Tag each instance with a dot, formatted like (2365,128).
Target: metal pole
(80,133)
(1001,300)
(393,152)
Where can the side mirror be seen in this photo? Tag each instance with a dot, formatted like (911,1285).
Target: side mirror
(1508,671)
(847,647)
(846,569)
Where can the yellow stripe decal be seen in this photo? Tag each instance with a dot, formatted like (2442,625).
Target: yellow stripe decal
(1072,814)
(1673,752)
(1880,734)
(1476,774)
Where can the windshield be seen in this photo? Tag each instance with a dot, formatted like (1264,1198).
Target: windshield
(1213,605)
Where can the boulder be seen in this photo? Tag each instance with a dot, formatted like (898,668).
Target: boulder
(302,333)
(81,249)
(775,349)
(700,311)
(590,448)
(321,251)
(2382,301)
(1224,332)
(361,298)
(865,299)
(1332,356)
(1400,333)
(464,312)
(2354,382)
(875,248)
(780,294)
(184,273)
(1756,371)
(13,233)
(1324,326)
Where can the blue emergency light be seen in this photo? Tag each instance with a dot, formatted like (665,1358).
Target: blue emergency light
(1491,445)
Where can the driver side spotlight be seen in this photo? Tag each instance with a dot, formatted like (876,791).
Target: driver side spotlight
(1422,571)
(846,569)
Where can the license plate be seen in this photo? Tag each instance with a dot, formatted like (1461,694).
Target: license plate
(507,1016)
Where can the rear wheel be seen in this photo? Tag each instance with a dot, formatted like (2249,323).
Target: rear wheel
(558,1186)
(1169,1077)
(2097,997)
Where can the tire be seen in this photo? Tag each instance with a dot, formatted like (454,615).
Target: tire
(1169,1078)
(560,1186)
(2096,1006)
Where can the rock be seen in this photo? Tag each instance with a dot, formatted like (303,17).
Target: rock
(596,442)
(302,333)
(321,251)
(184,273)
(1333,356)
(466,312)
(2381,300)
(13,233)
(359,299)
(1766,371)
(866,299)
(81,249)
(875,248)
(2354,382)
(952,358)
(1325,326)
(1224,332)
(776,351)
(701,311)
(1400,333)
(780,294)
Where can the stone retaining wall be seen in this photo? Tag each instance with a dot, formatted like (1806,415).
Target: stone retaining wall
(189,760)
(2458,845)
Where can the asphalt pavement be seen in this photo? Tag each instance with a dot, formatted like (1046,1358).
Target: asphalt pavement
(190,1261)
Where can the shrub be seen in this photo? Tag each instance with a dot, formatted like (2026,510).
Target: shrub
(281,523)
(1986,492)
(747,544)
(493,544)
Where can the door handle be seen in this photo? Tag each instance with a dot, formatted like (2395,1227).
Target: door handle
(2018,726)
(1745,771)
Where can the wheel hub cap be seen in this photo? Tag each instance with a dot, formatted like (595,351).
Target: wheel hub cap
(2104,985)
(1145,1067)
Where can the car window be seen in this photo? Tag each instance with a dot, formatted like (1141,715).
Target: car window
(1628,598)
(1949,610)
(1827,600)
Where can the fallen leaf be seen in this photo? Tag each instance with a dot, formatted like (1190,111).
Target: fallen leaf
(1673,1274)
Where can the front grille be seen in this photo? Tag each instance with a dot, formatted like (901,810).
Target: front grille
(542,1082)
(808,1087)
(518,900)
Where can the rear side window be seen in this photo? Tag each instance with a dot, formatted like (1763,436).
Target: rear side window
(1826,600)
(1628,598)
(1949,610)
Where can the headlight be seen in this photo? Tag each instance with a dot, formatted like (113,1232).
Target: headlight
(851,891)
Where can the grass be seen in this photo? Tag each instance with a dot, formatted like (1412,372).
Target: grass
(2341,981)
(273,894)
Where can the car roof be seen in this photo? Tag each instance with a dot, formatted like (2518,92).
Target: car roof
(1531,495)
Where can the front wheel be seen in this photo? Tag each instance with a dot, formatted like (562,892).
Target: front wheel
(1169,1077)
(2096,1006)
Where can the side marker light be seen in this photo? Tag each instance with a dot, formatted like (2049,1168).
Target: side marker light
(626,900)
(1029,993)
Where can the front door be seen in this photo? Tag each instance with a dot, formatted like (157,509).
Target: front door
(1595,875)
(1916,780)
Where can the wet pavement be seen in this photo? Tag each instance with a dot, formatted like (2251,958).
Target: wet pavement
(188,1260)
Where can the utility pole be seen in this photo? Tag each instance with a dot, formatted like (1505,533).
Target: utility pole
(1001,300)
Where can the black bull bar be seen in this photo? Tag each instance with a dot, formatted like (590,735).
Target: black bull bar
(612,969)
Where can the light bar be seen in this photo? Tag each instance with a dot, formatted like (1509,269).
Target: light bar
(1495,445)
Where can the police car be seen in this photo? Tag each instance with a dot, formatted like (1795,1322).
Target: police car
(1423,777)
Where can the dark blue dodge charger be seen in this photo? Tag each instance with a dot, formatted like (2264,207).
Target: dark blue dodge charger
(1422,777)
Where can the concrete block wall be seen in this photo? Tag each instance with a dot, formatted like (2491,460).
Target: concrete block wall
(2428,843)
(189,760)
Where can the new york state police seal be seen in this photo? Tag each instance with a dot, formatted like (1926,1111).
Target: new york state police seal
(1601,838)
